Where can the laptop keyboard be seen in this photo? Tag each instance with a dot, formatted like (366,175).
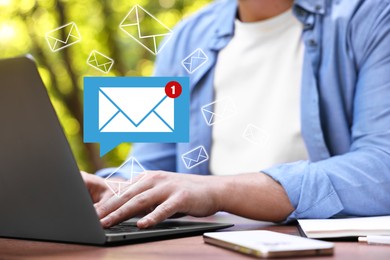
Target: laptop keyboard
(121,229)
(132,227)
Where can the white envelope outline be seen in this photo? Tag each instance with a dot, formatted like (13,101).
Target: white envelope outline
(120,187)
(72,37)
(228,110)
(255,135)
(194,61)
(195,157)
(135,109)
(93,61)
(132,19)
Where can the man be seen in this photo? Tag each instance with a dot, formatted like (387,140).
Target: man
(314,75)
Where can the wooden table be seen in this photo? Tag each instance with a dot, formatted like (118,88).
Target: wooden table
(179,248)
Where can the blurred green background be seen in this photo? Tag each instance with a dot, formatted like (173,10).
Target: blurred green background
(23,25)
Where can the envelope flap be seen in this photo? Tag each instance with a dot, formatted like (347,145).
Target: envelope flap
(52,42)
(210,107)
(147,20)
(199,54)
(131,18)
(228,107)
(135,102)
(139,20)
(101,59)
(74,33)
(208,116)
(196,62)
(106,110)
(195,155)
(249,131)
(64,34)
(136,168)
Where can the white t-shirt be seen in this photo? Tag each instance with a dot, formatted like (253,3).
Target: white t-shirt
(259,71)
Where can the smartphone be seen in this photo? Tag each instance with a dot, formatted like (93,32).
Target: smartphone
(268,244)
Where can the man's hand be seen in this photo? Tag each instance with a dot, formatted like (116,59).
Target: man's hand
(161,195)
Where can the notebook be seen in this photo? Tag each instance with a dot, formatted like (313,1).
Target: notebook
(345,227)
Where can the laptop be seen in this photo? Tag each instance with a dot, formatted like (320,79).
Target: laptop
(42,194)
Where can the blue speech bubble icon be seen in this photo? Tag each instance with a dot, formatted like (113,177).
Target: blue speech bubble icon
(135,109)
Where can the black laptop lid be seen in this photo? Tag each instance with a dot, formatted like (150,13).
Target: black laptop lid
(42,195)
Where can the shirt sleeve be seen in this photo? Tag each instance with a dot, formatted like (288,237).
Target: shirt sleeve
(358,182)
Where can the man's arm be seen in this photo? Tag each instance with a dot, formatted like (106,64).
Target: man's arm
(357,182)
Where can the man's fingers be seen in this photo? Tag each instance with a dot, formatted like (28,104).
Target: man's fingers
(144,195)
(110,204)
(109,195)
(140,203)
(162,212)
(103,199)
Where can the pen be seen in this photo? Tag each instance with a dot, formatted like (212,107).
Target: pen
(375,240)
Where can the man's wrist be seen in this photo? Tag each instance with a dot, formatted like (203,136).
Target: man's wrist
(220,190)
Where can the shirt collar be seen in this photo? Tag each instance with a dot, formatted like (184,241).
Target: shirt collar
(225,19)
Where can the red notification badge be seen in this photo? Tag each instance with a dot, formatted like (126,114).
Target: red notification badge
(173,89)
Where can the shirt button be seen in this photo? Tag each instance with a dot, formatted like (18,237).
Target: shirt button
(318,7)
(312,43)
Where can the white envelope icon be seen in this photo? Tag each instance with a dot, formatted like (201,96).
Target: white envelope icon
(120,187)
(194,61)
(100,61)
(63,36)
(255,135)
(227,109)
(195,157)
(135,109)
(146,29)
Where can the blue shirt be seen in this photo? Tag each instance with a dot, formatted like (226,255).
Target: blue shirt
(345,104)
